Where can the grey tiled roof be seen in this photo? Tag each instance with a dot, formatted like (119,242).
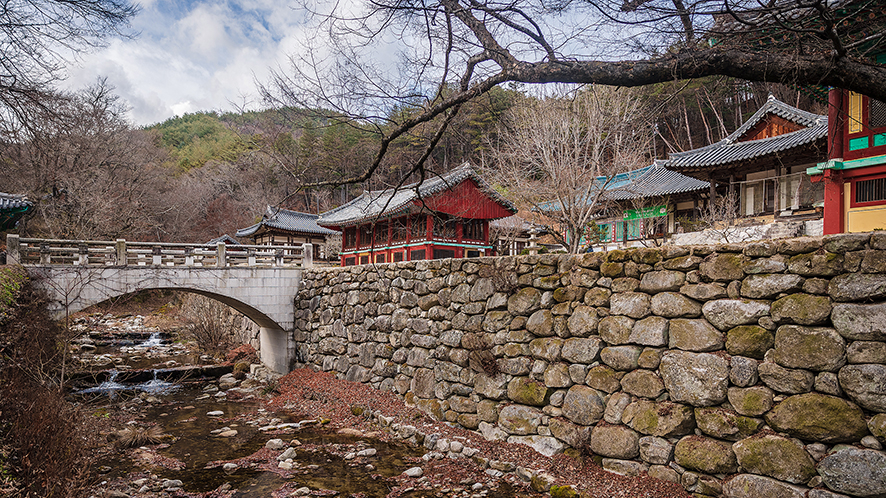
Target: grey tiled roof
(10,201)
(654,181)
(290,221)
(227,239)
(383,203)
(729,150)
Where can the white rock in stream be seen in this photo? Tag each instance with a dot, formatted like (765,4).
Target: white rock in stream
(216,413)
(414,472)
(287,455)
(368,452)
(275,444)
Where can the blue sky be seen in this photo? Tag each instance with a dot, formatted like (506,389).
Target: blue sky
(192,56)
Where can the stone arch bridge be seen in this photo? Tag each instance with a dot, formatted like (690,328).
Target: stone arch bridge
(258,281)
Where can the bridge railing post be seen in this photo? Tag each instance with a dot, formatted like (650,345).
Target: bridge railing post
(250,257)
(12,249)
(221,256)
(45,255)
(278,257)
(120,249)
(156,256)
(307,255)
(189,256)
(82,254)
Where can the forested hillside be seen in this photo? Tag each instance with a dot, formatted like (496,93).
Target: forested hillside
(194,177)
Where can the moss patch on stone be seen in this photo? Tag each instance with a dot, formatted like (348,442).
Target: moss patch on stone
(804,309)
(749,340)
(818,417)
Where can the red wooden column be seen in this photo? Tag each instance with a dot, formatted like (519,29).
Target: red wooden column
(459,236)
(429,237)
(833,179)
(833,201)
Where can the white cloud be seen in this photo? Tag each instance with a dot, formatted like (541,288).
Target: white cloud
(193,56)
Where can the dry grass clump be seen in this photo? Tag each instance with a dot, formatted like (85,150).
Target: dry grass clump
(134,436)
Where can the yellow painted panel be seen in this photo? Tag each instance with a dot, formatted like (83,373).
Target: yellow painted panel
(866,219)
(855,116)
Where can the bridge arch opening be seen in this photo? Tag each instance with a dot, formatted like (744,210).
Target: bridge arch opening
(266,299)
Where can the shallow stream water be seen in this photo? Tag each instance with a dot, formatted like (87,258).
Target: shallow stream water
(197,447)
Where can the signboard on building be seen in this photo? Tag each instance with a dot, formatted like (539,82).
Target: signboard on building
(647,212)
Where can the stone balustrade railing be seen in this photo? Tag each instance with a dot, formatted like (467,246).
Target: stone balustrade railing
(30,251)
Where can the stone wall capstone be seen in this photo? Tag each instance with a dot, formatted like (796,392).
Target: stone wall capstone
(738,370)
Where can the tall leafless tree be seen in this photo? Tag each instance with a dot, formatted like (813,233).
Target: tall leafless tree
(37,37)
(559,156)
(452,51)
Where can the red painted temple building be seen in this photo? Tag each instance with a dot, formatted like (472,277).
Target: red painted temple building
(854,176)
(445,216)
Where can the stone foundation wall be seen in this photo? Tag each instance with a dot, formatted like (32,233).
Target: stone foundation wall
(752,370)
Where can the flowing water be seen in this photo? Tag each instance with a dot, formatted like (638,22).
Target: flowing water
(200,444)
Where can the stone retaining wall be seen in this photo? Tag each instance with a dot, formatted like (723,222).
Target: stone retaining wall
(753,370)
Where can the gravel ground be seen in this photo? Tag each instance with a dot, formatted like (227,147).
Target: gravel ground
(349,405)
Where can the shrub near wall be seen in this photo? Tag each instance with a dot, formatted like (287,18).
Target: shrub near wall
(754,370)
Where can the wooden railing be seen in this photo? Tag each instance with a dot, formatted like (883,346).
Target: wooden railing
(28,251)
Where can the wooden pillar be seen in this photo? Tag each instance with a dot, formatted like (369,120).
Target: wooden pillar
(833,201)
(836,123)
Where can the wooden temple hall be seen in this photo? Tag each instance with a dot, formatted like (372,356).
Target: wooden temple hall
(445,216)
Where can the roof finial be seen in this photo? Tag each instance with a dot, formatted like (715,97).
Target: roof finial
(771,97)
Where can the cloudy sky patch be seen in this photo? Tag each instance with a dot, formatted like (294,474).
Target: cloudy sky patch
(191,56)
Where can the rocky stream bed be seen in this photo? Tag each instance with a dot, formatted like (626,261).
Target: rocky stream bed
(180,424)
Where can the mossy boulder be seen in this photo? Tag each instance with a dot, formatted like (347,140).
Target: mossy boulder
(728,313)
(775,456)
(749,340)
(646,256)
(816,264)
(541,323)
(857,287)
(583,405)
(705,455)
(582,322)
(818,417)
(860,322)
(699,379)
(723,267)
(725,424)
(674,304)
(597,296)
(866,385)
(616,329)
(526,391)
(581,350)
(612,270)
(642,383)
(525,301)
(662,281)
(812,348)
(520,419)
(603,378)
(803,309)
(877,426)
(663,419)
(751,401)
(632,304)
(563,492)
(765,286)
(694,335)
(615,441)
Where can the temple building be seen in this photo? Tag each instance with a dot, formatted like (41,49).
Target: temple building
(763,163)
(12,209)
(282,227)
(854,175)
(446,216)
